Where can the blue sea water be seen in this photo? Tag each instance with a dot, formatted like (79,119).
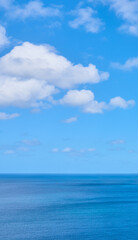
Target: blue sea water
(69,207)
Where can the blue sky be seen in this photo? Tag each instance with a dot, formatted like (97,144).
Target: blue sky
(68,86)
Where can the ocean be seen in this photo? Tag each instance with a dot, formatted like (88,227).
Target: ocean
(69,207)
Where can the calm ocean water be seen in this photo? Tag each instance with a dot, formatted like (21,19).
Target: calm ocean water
(69,207)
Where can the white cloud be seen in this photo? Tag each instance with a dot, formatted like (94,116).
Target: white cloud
(77,97)
(9,152)
(91,149)
(35,110)
(5,116)
(95,107)
(34,9)
(23,93)
(121,103)
(30,73)
(86,17)
(55,150)
(67,150)
(31,142)
(85,100)
(128,11)
(128,65)
(22,146)
(118,141)
(31,9)
(70,120)
(3,38)
(6,3)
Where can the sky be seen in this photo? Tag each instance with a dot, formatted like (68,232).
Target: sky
(68,86)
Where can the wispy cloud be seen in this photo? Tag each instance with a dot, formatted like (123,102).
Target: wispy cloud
(70,120)
(71,150)
(118,142)
(31,142)
(86,18)
(67,149)
(55,150)
(4,40)
(23,146)
(9,152)
(35,8)
(91,149)
(128,11)
(128,65)
(5,116)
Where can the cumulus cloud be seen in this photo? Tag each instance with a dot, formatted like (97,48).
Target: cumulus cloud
(85,99)
(86,17)
(128,11)
(121,103)
(23,93)
(30,74)
(128,65)
(5,116)
(70,120)
(3,38)
(77,97)
(42,62)
(31,9)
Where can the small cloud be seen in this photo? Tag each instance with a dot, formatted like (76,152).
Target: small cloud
(128,65)
(33,142)
(133,151)
(55,150)
(35,110)
(87,150)
(121,103)
(32,9)
(23,149)
(3,38)
(127,10)
(86,100)
(118,141)
(82,151)
(70,120)
(91,149)
(8,152)
(55,24)
(67,149)
(86,17)
(101,58)
(5,116)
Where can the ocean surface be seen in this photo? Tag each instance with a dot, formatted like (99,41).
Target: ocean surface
(69,207)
